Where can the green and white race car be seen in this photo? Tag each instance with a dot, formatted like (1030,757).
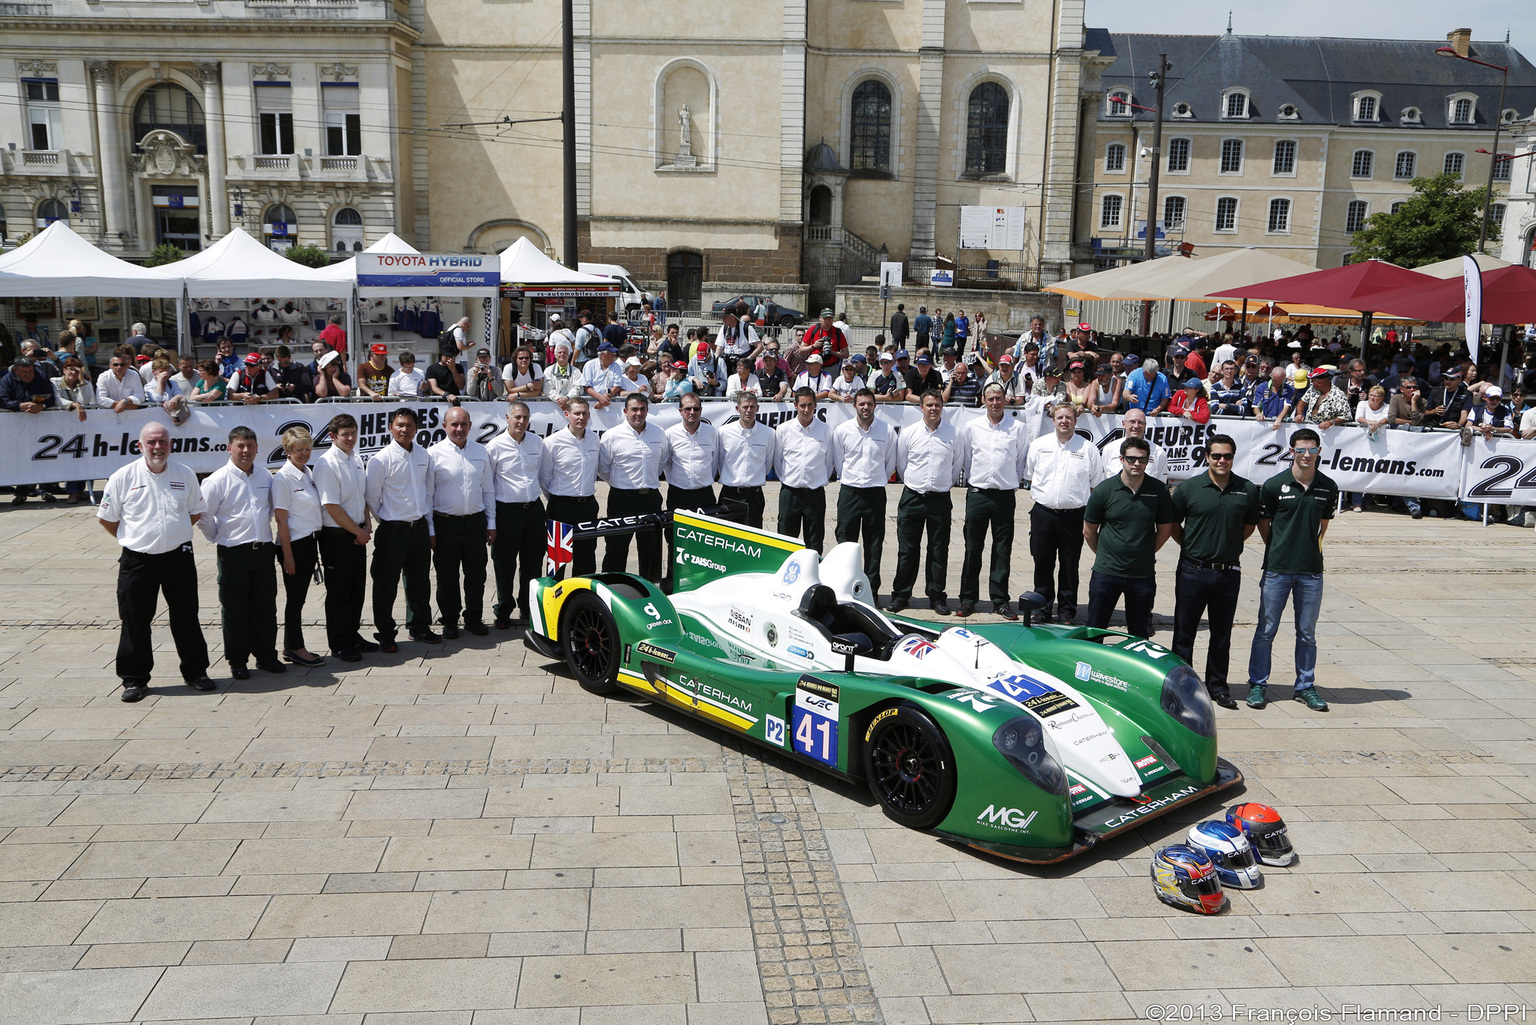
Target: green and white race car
(1031,743)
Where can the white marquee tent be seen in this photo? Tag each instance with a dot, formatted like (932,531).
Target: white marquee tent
(238,265)
(57,261)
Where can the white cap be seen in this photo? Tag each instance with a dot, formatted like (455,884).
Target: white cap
(633,361)
(329,358)
(1494,390)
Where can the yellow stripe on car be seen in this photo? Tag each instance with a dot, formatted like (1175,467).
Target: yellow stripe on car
(554,599)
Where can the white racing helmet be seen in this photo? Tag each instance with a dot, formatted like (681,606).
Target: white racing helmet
(1231,853)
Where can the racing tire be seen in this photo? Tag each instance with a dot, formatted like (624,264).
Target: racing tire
(589,637)
(910,767)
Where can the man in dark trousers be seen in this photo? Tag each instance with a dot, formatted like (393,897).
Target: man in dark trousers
(1128,518)
(1061,469)
(150,506)
(1217,512)
(900,326)
(568,475)
(462,522)
(1295,506)
(629,458)
(238,520)
(344,535)
(520,532)
(923,325)
(930,455)
(396,485)
(996,452)
(864,451)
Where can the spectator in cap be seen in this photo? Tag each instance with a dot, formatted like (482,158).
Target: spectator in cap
(559,335)
(331,379)
(814,378)
(707,371)
(947,360)
(850,379)
(600,378)
(824,338)
(1492,418)
(737,339)
(1323,405)
(1079,388)
(481,381)
(678,382)
(1005,378)
(1105,395)
(374,374)
(1446,402)
(253,383)
(1190,403)
(888,384)
(922,377)
(632,380)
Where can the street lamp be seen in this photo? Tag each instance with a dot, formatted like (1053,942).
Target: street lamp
(1498,126)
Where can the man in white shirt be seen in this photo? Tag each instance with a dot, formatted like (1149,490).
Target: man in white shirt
(520,532)
(407,382)
(930,457)
(850,379)
(692,462)
(462,523)
(344,537)
(568,475)
(629,458)
(864,452)
(397,482)
(120,387)
(747,450)
(1134,423)
(238,519)
(803,463)
(600,378)
(996,453)
(1062,468)
(150,506)
(812,377)
(559,334)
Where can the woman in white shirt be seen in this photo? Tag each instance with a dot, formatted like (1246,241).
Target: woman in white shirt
(1371,414)
(743,380)
(296,506)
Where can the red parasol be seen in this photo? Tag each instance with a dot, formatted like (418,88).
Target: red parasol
(1221,311)
(1509,297)
(1351,287)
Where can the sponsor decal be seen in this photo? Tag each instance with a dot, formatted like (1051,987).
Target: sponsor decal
(730,544)
(1110,757)
(814,720)
(964,695)
(962,633)
(791,573)
(699,560)
(1142,763)
(771,634)
(650,650)
(799,652)
(1077,789)
(1061,722)
(1090,737)
(724,697)
(1020,686)
(1151,806)
(1047,705)
(1088,674)
(916,647)
(739,620)
(1012,819)
(651,610)
(773,730)
(1147,648)
(843,648)
(876,721)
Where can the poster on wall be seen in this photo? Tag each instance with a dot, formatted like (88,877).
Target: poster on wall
(111,309)
(82,308)
(41,308)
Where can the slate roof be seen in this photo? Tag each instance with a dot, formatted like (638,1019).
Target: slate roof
(1319,76)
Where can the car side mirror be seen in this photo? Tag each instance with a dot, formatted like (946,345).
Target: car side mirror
(1033,600)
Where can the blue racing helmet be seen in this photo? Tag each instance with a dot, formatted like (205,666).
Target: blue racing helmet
(1231,853)
(1184,877)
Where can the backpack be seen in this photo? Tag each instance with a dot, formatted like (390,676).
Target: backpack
(447,345)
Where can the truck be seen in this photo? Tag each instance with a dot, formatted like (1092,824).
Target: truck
(631,296)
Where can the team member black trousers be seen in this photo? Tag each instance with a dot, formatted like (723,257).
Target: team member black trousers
(520,541)
(402,547)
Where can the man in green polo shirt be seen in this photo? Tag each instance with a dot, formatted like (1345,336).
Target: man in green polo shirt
(1217,512)
(1295,506)
(1127,519)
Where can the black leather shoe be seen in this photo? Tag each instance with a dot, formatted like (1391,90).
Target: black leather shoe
(1224,698)
(942,607)
(387,646)
(348,655)
(202,683)
(503,623)
(1005,609)
(363,646)
(428,637)
(240,672)
(897,605)
(135,692)
(271,665)
(304,660)
(47,496)
(478,629)
(449,631)
(967,608)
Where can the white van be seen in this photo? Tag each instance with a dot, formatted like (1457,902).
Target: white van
(632,295)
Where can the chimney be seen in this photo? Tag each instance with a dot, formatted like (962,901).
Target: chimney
(1460,40)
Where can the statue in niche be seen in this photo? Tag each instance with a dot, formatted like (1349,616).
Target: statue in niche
(685,157)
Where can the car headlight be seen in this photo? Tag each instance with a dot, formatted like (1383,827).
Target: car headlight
(1022,742)
(1185,699)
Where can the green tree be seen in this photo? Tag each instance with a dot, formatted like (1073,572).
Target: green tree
(1440,221)
(309,256)
(163,254)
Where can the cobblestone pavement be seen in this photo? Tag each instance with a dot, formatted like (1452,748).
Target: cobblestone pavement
(459,835)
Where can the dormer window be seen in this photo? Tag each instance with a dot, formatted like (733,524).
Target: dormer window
(1461,110)
(1366,106)
(1411,116)
(1182,110)
(1509,116)
(1116,104)
(1234,104)
(1288,112)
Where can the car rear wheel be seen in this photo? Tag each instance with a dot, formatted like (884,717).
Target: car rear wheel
(786,321)
(910,767)
(590,639)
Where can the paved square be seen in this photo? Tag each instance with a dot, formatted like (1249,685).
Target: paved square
(460,835)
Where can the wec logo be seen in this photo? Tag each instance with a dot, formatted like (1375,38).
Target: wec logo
(1006,818)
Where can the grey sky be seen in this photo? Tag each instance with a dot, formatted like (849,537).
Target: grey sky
(1364,19)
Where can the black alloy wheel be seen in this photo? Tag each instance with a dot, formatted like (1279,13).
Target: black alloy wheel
(591,642)
(910,768)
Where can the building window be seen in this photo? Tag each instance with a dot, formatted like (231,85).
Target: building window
(1285,157)
(1235,105)
(1226,213)
(1501,166)
(50,210)
(1109,211)
(1398,206)
(1363,165)
(1279,216)
(1174,208)
(343,123)
(1496,213)
(1354,216)
(45,128)
(347,231)
(1461,111)
(3,235)
(986,131)
(1509,116)
(1455,163)
(1114,157)
(1182,110)
(170,108)
(1232,156)
(1407,163)
(1178,156)
(870,128)
(1412,116)
(1116,105)
(280,225)
(1365,108)
(1288,112)
(274,117)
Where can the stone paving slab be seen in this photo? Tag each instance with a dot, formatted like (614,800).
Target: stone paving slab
(457,835)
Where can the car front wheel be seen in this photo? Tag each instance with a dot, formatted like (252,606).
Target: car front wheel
(786,321)
(910,767)
(590,639)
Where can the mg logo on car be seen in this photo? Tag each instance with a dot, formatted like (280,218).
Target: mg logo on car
(1007,818)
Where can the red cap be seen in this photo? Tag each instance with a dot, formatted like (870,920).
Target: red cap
(252,358)
(382,350)
(1085,326)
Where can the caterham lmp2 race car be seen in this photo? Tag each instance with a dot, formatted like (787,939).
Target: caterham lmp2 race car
(1031,743)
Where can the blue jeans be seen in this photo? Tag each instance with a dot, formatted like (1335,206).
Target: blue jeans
(1275,589)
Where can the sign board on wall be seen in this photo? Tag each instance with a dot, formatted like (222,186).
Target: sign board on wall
(992,227)
(429,273)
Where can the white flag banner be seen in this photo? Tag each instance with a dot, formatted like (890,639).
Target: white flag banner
(1472,279)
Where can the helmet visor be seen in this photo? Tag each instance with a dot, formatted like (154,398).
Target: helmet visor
(1240,858)
(1271,842)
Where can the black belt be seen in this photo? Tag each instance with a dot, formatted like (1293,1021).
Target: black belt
(336,530)
(1065,508)
(519,505)
(455,516)
(1220,566)
(636,491)
(254,546)
(407,523)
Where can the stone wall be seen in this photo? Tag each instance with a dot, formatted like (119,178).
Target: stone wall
(766,269)
(1005,310)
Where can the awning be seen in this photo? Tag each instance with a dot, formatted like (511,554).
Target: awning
(525,269)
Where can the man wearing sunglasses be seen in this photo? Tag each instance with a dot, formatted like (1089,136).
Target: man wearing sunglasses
(1295,506)
(1217,512)
(1127,519)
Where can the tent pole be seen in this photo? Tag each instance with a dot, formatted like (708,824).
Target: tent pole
(352,337)
(1242,327)
(181,322)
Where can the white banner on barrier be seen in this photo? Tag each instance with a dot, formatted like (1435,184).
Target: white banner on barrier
(1501,471)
